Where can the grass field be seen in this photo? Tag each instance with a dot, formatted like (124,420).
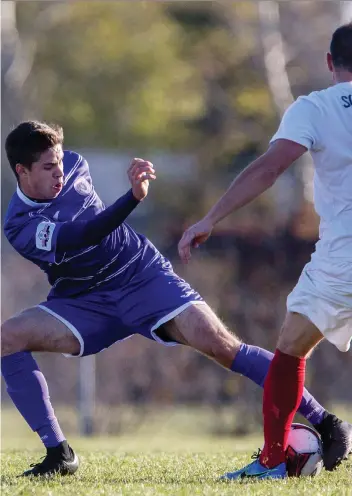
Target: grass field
(170,457)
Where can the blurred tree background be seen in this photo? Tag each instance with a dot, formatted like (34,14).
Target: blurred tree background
(195,80)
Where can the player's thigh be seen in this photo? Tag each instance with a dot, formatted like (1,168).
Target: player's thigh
(36,330)
(298,335)
(199,327)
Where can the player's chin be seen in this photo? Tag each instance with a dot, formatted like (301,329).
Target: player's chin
(52,196)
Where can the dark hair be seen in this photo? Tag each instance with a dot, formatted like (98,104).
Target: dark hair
(341,47)
(29,140)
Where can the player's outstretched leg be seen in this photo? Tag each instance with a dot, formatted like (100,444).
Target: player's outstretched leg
(28,389)
(199,327)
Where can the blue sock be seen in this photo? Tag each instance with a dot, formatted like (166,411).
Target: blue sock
(29,391)
(253,362)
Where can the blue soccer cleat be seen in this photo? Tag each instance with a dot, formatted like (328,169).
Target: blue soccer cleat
(256,470)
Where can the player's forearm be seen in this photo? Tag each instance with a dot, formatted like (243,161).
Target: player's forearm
(252,182)
(80,234)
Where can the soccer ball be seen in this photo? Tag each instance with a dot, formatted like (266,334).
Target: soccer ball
(304,452)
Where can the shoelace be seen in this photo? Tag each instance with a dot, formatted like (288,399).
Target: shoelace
(256,454)
(38,463)
(44,461)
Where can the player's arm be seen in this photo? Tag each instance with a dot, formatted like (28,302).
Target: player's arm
(256,178)
(298,132)
(79,234)
(259,176)
(44,240)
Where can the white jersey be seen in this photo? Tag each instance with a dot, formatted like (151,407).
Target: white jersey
(322,122)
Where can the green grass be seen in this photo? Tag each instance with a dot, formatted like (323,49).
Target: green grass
(168,458)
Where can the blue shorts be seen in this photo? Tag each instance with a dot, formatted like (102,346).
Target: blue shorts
(109,314)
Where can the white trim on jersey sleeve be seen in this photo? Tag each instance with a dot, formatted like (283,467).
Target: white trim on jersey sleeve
(44,235)
(299,124)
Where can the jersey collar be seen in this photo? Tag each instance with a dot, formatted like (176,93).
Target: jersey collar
(28,201)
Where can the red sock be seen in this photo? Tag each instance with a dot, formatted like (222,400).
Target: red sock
(283,390)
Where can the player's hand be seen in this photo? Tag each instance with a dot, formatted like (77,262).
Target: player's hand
(140,172)
(193,237)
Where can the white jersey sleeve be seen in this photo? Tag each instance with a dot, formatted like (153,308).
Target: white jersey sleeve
(299,124)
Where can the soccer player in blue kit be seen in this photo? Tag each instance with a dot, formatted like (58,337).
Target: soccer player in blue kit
(107,283)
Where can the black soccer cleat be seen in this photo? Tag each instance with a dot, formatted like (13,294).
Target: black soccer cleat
(336,437)
(60,460)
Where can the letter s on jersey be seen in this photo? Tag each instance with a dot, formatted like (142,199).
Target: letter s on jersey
(347,101)
(44,235)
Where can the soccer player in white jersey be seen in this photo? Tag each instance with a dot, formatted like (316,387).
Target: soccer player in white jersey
(320,306)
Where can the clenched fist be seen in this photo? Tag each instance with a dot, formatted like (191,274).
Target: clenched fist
(140,172)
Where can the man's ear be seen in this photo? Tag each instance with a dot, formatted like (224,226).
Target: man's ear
(21,170)
(329,62)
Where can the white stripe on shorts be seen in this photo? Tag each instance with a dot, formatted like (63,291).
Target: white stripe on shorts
(70,326)
(171,316)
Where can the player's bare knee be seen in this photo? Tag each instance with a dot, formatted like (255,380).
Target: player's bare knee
(222,345)
(288,348)
(287,342)
(295,348)
(298,336)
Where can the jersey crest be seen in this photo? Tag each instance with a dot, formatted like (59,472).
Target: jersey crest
(82,186)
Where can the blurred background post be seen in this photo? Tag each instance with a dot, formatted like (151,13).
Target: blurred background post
(198,88)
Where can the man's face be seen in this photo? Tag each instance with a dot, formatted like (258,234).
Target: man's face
(44,180)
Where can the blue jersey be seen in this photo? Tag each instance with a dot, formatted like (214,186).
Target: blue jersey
(32,229)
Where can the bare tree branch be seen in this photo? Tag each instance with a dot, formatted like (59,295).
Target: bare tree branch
(277,76)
